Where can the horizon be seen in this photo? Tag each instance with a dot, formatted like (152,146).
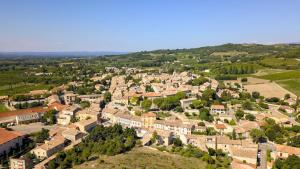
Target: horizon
(132,26)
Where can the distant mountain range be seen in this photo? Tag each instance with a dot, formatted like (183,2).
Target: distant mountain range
(58,54)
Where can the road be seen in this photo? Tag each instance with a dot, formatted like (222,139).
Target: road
(262,158)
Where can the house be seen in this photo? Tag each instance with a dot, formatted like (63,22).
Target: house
(90,98)
(108,113)
(9,140)
(185,103)
(86,125)
(218,109)
(20,163)
(64,118)
(72,134)
(248,156)
(283,151)
(152,95)
(176,126)
(3,98)
(244,128)
(128,120)
(49,148)
(164,137)
(148,119)
(70,98)
(28,118)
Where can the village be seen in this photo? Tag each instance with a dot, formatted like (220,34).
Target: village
(161,107)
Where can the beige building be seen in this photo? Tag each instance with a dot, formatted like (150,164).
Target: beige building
(49,148)
(283,151)
(72,134)
(148,119)
(86,125)
(20,163)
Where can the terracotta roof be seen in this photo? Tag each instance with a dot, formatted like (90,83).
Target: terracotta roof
(149,114)
(6,135)
(218,106)
(57,106)
(220,126)
(240,152)
(24,111)
(152,94)
(287,149)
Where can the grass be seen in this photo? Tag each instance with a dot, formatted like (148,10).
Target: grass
(144,158)
(282,76)
(3,108)
(280,62)
(293,85)
(22,89)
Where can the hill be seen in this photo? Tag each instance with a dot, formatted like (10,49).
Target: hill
(144,158)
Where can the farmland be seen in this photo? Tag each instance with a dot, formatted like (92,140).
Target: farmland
(144,158)
(292,85)
(282,76)
(3,108)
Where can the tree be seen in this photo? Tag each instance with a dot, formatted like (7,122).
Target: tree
(50,117)
(287,96)
(255,95)
(205,115)
(258,135)
(107,97)
(146,104)
(196,104)
(177,142)
(250,117)
(247,105)
(41,136)
(239,114)
(84,104)
(244,79)
(294,141)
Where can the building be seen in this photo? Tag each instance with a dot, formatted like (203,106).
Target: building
(185,103)
(72,134)
(127,120)
(218,109)
(283,151)
(20,163)
(9,140)
(176,126)
(28,118)
(240,154)
(70,98)
(148,119)
(90,98)
(86,125)
(49,148)
(64,118)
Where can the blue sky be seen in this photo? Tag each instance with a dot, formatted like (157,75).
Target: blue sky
(133,25)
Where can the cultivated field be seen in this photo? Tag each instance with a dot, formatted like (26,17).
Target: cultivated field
(144,158)
(270,89)
(3,108)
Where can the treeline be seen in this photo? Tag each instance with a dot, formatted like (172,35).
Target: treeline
(27,105)
(102,140)
(233,69)
(170,102)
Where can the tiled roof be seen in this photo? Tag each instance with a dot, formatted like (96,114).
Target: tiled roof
(6,135)
(24,111)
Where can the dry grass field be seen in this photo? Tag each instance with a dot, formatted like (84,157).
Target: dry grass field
(144,158)
(269,89)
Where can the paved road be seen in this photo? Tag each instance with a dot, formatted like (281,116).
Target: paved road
(32,127)
(262,158)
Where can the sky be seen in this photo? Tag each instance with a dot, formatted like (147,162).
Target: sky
(135,25)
